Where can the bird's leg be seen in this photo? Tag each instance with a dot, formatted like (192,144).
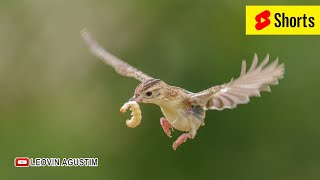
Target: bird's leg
(184,137)
(166,126)
(181,140)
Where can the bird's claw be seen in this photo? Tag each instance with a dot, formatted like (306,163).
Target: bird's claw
(166,126)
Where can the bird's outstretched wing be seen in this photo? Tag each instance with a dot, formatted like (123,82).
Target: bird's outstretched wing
(120,66)
(250,83)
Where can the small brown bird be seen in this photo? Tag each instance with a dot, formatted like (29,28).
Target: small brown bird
(184,110)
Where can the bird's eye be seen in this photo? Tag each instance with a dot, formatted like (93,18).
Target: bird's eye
(149,93)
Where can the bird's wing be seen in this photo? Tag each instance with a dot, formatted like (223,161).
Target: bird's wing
(250,83)
(120,66)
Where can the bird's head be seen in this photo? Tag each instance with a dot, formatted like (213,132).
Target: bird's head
(150,91)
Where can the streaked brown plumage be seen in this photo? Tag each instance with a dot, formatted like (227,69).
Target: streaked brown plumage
(184,110)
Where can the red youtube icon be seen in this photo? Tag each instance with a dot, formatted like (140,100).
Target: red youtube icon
(262,16)
(21,162)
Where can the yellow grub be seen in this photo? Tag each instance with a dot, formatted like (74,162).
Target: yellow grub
(136,113)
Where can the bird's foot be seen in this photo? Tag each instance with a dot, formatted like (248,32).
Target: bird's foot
(180,140)
(166,126)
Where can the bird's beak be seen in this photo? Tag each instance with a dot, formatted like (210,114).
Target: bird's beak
(134,98)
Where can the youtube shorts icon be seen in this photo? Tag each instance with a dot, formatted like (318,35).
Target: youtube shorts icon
(262,20)
(282,20)
(21,162)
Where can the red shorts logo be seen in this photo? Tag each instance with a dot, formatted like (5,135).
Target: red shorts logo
(264,15)
(21,162)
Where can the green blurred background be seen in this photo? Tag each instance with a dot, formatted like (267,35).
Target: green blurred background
(57,100)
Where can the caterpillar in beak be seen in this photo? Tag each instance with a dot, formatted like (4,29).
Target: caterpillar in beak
(136,116)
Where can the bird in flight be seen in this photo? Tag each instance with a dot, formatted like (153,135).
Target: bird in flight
(184,110)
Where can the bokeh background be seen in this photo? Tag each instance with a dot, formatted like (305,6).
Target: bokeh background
(57,100)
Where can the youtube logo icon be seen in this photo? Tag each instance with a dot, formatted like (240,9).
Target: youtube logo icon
(21,162)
